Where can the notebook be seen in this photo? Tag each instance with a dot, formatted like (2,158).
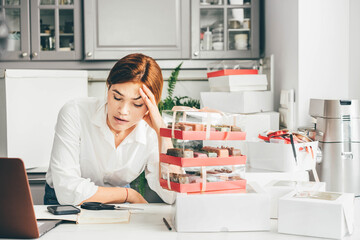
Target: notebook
(17,217)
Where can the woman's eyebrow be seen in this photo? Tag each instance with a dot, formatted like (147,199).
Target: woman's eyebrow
(116,91)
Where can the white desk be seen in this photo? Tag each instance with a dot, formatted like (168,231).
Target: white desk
(148,224)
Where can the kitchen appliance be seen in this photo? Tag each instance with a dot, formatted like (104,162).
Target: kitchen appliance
(337,130)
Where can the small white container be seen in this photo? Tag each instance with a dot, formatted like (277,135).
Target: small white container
(238,14)
(322,214)
(280,157)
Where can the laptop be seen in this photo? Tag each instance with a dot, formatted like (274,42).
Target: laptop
(17,216)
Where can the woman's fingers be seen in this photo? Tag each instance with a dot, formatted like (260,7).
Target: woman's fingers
(146,99)
(149,93)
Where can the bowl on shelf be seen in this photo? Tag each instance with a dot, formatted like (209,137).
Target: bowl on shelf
(218,45)
(234,24)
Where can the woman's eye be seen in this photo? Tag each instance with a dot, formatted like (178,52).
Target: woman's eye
(138,105)
(117,99)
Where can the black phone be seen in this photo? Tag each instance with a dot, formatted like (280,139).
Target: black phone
(63,209)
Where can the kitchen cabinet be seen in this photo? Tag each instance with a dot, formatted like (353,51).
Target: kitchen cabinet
(225,29)
(43,29)
(158,28)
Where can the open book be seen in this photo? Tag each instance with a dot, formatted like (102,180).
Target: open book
(85,216)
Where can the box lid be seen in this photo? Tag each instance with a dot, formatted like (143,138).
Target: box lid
(225,72)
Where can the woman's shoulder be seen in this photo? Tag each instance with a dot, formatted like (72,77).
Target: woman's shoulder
(82,106)
(88,103)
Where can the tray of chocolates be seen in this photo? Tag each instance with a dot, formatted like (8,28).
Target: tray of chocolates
(198,131)
(202,179)
(206,156)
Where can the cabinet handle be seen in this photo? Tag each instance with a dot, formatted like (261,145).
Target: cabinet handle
(196,53)
(89,54)
(24,54)
(34,54)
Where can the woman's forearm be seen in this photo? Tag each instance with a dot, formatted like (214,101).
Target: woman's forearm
(116,195)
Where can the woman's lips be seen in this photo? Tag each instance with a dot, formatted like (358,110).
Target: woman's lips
(120,120)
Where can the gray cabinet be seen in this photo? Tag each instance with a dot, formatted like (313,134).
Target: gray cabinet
(225,29)
(17,18)
(158,28)
(43,29)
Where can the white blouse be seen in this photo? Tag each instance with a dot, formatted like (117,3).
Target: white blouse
(84,155)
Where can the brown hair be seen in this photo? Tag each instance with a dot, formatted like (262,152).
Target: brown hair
(138,68)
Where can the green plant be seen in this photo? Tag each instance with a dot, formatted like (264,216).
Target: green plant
(169,102)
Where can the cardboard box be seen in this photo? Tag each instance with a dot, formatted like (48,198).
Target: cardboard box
(279,188)
(280,157)
(238,102)
(223,212)
(317,214)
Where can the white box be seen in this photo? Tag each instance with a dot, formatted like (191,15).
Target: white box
(235,83)
(239,102)
(279,188)
(315,216)
(280,157)
(263,177)
(223,212)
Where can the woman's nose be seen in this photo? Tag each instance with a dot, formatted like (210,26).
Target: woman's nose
(124,109)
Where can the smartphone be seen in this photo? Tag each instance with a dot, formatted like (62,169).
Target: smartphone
(63,209)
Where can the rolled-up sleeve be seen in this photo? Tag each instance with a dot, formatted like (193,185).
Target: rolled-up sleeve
(70,187)
(152,175)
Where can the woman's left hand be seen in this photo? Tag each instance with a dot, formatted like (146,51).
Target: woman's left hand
(153,117)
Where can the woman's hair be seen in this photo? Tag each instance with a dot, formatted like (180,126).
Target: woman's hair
(137,68)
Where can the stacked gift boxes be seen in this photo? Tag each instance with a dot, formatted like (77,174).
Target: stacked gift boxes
(190,166)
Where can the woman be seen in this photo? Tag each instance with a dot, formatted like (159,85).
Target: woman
(102,146)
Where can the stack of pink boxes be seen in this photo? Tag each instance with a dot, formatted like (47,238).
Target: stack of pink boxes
(189,166)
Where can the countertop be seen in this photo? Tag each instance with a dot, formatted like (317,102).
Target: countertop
(148,224)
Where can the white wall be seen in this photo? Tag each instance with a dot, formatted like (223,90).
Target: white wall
(354,29)
(281,33)
(323,53)
(310,40)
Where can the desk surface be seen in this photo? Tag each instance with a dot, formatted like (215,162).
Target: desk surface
(148,224)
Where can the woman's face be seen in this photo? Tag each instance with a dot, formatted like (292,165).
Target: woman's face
(125,106)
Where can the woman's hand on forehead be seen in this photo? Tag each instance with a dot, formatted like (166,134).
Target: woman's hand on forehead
(153,118)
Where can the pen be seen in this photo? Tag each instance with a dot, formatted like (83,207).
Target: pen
(167,224)
(293,146)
